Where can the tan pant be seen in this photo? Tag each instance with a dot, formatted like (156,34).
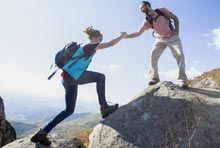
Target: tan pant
(174,43)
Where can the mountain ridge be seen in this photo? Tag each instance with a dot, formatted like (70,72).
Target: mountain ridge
(209,79)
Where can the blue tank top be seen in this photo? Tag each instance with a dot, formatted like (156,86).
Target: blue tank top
(76,67)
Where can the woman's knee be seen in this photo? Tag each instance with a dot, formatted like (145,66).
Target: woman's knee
(101,77)
(69,112)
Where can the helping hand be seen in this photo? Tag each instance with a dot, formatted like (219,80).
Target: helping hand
(123,34)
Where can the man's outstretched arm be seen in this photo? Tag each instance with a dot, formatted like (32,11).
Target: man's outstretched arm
(138,33)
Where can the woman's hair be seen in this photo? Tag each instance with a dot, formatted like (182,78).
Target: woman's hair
(146,2)
(91,32)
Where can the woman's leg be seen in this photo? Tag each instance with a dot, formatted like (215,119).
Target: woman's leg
(70,98)
(99,78)
(89,77)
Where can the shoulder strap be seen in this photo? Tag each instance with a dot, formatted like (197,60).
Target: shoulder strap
(89,48)
(150,19)
(88,51)
(160,12)
(76,59)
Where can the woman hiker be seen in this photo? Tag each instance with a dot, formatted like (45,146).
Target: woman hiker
(70,83)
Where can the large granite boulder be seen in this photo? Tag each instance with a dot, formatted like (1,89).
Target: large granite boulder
(163,116)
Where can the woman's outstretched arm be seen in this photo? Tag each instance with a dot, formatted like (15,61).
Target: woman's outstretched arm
(112,42)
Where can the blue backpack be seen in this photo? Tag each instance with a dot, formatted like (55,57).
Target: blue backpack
(64,55)
(74,59)
(76,66)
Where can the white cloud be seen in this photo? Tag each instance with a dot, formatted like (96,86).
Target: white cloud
(111,67)
(214,38)
(193,72)
(140,70)
(206,35)
(137,67)
(210,45)
(171,75)
(195,63)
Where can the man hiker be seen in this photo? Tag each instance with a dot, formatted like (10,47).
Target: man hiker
(167,35)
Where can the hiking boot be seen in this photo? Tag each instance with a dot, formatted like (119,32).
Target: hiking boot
(153,81)
(183,85)
(106,109)
(41,138)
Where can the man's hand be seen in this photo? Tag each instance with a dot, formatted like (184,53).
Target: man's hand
(123,34)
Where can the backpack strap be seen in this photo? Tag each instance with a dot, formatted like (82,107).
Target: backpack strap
(77,58)
(150,20)
(161,13)
(88,50)
(53,73)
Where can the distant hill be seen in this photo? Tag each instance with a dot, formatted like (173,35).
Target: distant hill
(22,128)
(85,123)
(23,108)
(210,79)
(72,125)
(28,114)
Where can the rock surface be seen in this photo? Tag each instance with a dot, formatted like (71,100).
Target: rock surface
(7,132)
(2,109)
(58,141)
(163,116)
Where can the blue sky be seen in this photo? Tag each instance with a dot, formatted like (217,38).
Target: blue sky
(33,30)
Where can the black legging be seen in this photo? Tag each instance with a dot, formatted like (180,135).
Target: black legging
(71,87)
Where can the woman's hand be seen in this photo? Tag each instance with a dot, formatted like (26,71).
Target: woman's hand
(123,34)
(112,42)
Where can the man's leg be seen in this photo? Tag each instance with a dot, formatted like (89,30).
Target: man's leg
(176,47)
(157,50)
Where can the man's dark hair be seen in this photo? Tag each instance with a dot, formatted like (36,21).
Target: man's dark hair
(146,2)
